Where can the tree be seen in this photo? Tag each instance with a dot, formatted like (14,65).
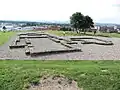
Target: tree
(81,22)
(31,24)
(4,28)
(88,23)
(76,21)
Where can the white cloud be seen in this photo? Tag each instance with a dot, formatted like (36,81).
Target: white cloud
(57,9)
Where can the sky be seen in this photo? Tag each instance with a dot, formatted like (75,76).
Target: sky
(102,11)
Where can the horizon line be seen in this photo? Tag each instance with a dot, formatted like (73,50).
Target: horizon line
(52,21)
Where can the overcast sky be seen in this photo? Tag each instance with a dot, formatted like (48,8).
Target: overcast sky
(60,10)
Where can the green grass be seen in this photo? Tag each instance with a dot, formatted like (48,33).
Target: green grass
(117,35)
(61,33)
(4,37)
(71,33)
(17,75)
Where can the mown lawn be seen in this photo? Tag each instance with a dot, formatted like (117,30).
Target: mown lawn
(61,33)
(90,75)
(71,33)
(4,37)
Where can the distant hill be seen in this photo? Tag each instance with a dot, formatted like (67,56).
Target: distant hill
(9,21)
(53,22)
(104,24)
(43,21)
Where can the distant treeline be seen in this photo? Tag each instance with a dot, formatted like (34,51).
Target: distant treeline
(65,29)
(34,23)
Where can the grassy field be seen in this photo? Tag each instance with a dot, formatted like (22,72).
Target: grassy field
(71,33)
(90,75)
(4,37)
(61,33)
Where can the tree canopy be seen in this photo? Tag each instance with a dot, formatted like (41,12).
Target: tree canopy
(4,28)
(81,22)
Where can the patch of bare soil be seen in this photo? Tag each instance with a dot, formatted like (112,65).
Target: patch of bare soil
(55,83)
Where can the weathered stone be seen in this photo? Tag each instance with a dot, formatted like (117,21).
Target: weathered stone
(27,50)
(27,41)
(72,43)
(55,40)
(17,46)
(32,53)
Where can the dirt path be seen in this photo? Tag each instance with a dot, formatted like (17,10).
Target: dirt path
(55,83)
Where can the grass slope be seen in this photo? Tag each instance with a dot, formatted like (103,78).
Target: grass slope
(71,33)
(90,75)
(4,37)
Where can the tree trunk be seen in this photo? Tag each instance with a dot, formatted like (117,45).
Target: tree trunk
(84,31)
(77,30)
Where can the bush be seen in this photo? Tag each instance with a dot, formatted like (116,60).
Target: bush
(115,31)
(65,29)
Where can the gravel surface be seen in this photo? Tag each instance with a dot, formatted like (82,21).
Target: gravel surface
(89,52)
(45,44)
(7,53)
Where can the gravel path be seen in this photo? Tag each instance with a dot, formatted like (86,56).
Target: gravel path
(89,52)
(45,44)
